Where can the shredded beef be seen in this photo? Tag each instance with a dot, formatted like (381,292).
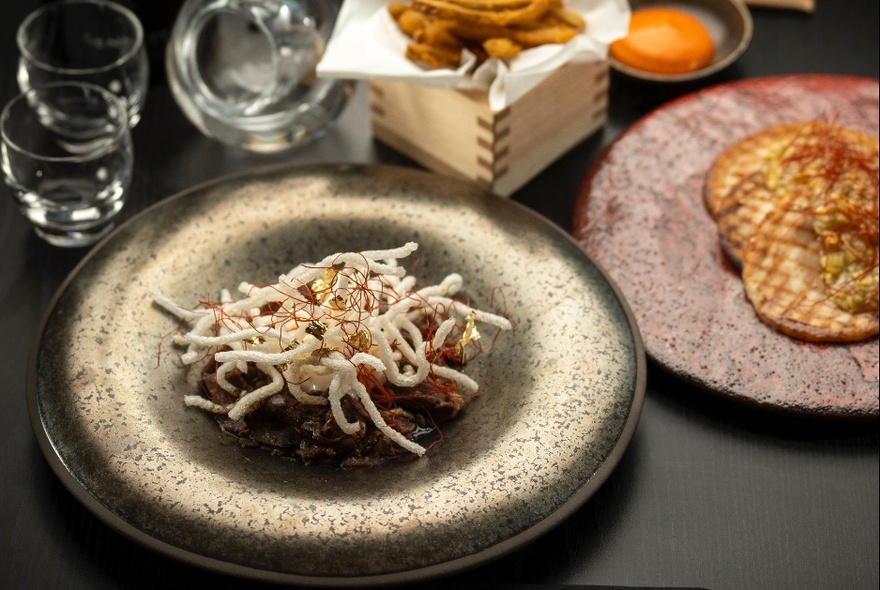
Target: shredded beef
(286,427)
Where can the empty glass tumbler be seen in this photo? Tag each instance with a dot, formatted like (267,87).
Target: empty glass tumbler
(243,71)
(90,41)
(67,158)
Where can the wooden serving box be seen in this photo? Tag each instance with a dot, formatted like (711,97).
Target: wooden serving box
(454,132)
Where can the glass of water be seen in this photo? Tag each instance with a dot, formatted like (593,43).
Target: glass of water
(244,71)
(91,41)
(67,158)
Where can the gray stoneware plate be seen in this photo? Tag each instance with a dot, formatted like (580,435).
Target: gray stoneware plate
(564,389)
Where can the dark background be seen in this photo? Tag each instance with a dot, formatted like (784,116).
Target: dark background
(709,493)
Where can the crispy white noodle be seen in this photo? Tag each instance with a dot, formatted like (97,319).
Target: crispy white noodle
(322,326)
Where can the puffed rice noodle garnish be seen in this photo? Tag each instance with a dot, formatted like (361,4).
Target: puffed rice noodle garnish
(323,324)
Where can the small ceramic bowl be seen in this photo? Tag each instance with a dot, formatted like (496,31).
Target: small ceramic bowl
(729,23)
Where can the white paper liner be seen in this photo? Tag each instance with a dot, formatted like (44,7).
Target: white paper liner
(367,44)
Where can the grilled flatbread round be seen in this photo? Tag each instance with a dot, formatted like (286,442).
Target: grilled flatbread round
(740,213)
(798,215)
(783,278)
(742,159)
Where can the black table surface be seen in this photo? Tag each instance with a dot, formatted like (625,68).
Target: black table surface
(709,493)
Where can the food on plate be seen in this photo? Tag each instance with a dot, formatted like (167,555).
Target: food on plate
(743,158)
(787,284)
(797,209)
(340,362)
(664,41)
(741,211)
(441,29)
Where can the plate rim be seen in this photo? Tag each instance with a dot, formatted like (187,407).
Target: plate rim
(419,574)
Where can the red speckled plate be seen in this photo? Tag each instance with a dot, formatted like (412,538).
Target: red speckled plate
(640,214)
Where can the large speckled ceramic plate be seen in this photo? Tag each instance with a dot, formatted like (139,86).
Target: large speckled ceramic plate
(641,216)
(564,389)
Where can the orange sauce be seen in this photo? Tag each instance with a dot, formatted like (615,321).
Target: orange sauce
(664,41)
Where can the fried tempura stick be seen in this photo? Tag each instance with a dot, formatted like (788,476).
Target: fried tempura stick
(533,37)
(449,9)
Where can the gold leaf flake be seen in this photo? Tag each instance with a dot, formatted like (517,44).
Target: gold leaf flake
(360,340)
(317,329)
(469,334)
(322,287)
(338,303)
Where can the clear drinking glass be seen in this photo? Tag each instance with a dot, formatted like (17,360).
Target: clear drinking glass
(243,71)
(67,158)
(90,41)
